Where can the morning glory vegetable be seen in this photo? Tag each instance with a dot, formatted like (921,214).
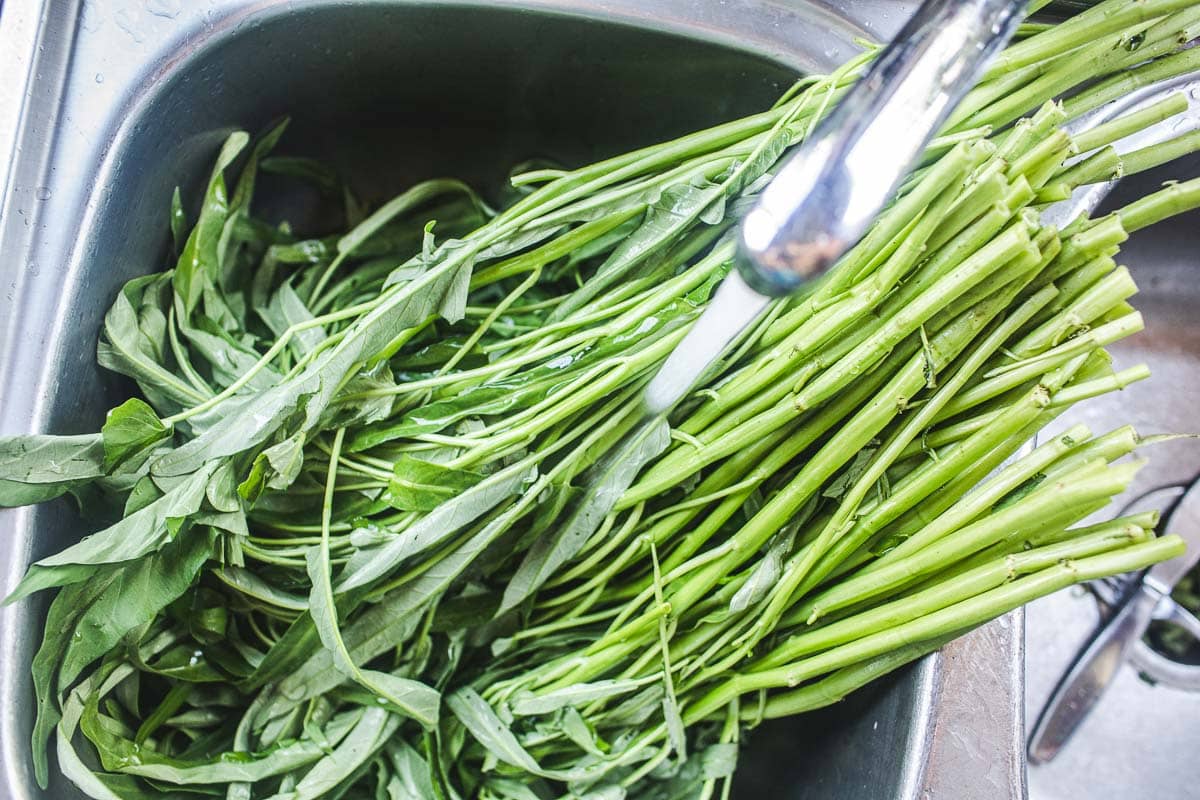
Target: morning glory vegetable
(376,525)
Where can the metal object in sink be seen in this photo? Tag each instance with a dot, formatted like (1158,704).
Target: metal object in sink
(1153,666)
(105,109)
(825,195)
(1084,683)
(1110,592)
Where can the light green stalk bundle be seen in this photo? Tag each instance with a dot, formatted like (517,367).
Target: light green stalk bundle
(372,539)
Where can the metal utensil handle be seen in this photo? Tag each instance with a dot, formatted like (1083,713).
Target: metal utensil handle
(1170,611)
(823,198)
(1110,591)
(1095,667)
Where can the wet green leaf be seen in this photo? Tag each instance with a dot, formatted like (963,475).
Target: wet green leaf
(36,468)
(418,485)
(129,429)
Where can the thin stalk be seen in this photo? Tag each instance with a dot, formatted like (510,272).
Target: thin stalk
(947,621)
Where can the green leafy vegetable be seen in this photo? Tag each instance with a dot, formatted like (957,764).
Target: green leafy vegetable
(387,520)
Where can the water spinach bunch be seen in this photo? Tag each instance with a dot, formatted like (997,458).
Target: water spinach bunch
(363,533)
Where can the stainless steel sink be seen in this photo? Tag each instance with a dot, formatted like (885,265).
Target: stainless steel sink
(1141,739)
(107,105)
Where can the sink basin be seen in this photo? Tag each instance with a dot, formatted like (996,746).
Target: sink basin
(112,106)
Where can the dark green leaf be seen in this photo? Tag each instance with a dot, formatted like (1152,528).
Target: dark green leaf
(315,172)
(604,487)
(121,754)
(364,740)
(285,310)
(37,468)
(228,358)
(128,349)
(848,477)
(242,425)
(418,485)
(143,493)
(198,264)
(411,698)
(143,532)
(678,207)
(368,565)
(133,594)
(401,204)
(277,468)
(244,193)
(575,695)
(62,620)
(767,572)
(73,768)
(392,620)
(221,492)
(480,719)
(130,428)
(178,222)
(410,774)
(370,397)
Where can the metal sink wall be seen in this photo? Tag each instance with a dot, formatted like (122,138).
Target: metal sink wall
(115,103)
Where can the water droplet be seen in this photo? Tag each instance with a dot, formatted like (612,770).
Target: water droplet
(1195,92)
(42,193)
(99,77)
